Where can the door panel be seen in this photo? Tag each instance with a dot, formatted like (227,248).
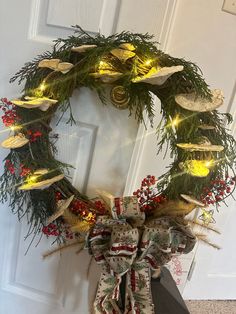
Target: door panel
(99,146)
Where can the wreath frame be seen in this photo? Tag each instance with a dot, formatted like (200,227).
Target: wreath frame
(84,70)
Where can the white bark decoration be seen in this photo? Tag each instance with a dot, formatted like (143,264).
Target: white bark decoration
(158,76)
(107,76)
(16,141)
(49,63)
(42,184)
(56,65)
(127,46)
(122,55)
(196,103)
(200,147)
(62,205)
(83,48)
(190,199)
(33,102)
(206,127)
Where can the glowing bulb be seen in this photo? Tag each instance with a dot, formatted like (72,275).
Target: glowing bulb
(15,127)
(209,163)
(102,63)
(42,87)
(148,62)
(175,121)
(196,168)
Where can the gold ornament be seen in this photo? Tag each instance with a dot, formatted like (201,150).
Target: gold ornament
(158,76)
(193,102)
(120,97)
(33,102)
(15,141)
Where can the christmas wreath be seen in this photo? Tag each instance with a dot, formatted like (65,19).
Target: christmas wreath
(128,235)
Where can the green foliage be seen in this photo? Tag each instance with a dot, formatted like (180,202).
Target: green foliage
(38,205)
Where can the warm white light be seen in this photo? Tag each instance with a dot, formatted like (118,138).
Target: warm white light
(208,164)
(148,62)
(175,121)
(15,127)
(42,87)
(102,63)
(32,179)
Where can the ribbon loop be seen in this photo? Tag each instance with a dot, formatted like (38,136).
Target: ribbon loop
(127,245)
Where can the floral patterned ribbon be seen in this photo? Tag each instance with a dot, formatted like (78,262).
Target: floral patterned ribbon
(127,245)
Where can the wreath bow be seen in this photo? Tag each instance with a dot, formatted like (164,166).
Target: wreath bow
(127,245)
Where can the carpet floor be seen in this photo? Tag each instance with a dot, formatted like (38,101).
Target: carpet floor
(212,307)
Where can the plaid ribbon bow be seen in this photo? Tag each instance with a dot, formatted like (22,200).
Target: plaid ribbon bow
(126,245)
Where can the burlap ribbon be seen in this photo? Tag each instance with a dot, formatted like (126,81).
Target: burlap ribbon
(126,245)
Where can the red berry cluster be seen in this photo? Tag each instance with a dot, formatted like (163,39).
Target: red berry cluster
(148,195)
(10,167)
(218,190)
(58,196)
(10,117)
(51,230)
(100,207)
(24,171)
(81,209)
(34,135)
(68,233)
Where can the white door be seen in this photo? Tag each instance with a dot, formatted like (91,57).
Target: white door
(203,33)
(100,145)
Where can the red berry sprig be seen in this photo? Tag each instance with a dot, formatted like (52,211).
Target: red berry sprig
(82,210)
(9,117)
(10,167)
(148,196)
(68,233)
(58,196)
(218,190)
(100,207)
(24,171)
(34,135)
(51,230)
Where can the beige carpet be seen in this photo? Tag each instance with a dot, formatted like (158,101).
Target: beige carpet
(211,307)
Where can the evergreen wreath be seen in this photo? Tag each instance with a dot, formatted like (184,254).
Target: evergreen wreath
(132,68)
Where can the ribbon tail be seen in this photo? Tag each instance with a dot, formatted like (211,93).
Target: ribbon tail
(107,294)
(138,291)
